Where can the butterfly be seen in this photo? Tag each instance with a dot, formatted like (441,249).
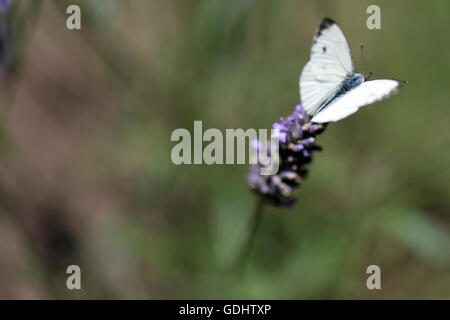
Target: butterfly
(330,90)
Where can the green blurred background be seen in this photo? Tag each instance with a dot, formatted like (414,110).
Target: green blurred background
(86,176)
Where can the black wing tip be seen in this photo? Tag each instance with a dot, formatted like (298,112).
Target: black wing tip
(326,23)
(400,84)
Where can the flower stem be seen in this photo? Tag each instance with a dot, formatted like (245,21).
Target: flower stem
(253,229)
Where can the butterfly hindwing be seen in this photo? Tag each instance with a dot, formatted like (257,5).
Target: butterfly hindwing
(364,94)
(329,65)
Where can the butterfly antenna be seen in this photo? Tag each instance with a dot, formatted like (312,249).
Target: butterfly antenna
(363,59)
(370,74)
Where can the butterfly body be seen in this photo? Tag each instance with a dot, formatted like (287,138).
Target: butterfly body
(350,83)
(330,90)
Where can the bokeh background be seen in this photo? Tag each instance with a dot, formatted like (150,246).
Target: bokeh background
(86,176)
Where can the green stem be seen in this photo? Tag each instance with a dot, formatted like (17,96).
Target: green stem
(253,226)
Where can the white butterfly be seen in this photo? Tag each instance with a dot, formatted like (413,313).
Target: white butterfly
(329,88)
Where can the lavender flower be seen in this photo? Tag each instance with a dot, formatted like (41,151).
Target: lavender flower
(8,43)
(4,5)
(297,144)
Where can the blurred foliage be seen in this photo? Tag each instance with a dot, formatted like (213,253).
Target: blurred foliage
(86,176)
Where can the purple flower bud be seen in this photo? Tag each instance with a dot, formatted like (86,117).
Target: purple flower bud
(306,153)
(314,127)
(297,147)
(308,141)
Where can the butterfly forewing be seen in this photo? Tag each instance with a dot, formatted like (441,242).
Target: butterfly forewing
(330,64)
(366,93)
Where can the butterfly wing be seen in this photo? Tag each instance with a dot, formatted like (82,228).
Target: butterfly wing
(329,65)
(366,93)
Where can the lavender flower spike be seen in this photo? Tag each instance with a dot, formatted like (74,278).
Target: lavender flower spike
(297,144)
(4,5)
